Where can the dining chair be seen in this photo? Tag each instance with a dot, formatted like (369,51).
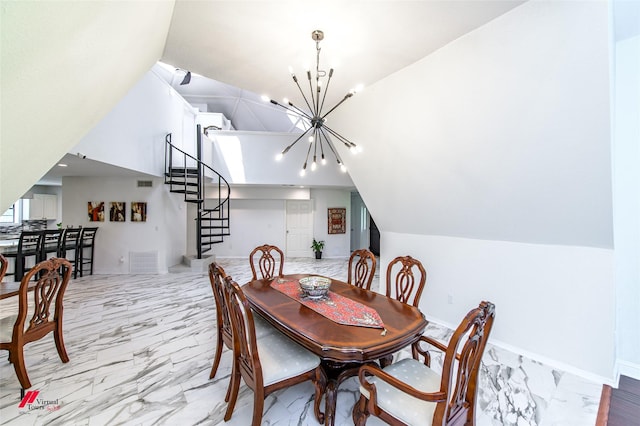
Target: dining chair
(409,392)
(269,363)
(224,333)
(35,318)
(266,258)
(4,264)
(362,268)
(69,246)
(409,278)
(29,246)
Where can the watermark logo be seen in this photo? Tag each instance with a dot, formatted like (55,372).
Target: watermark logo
(29,398)
(31,402)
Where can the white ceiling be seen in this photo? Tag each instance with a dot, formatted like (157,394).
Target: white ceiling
(248,47)
(251,44)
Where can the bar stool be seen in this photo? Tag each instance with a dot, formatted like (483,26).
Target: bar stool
(51,240)
(69,247)
(29,245)
(86,244)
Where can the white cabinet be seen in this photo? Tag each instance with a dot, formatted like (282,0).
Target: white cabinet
(43,206)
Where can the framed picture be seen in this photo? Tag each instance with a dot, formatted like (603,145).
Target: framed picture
(96,211)
(117,211)
(337,220)
(138,211)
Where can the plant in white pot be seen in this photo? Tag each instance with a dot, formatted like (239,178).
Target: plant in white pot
(317,247)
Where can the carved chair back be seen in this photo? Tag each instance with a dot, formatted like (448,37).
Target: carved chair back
(456,393)
(4,264)
(267,260)
(466,346)
(40,317)
(408,282)
(362,268)
(223,321)
(285,363)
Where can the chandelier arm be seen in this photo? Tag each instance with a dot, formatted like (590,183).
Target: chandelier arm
(335,154)
(315,145)
(303,95)
(306,160)
(299,111)
(313,99)
(321,145)
(342,139)
(326,89)
(347,96)
(294,142)
(294,110)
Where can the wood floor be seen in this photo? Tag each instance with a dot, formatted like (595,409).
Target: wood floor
(621,406)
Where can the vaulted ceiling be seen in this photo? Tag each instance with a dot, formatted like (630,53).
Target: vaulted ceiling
(66,64)
(252,44)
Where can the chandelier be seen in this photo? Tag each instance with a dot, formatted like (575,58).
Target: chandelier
(314,116)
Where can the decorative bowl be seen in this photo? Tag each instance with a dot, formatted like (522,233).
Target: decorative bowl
(315,287)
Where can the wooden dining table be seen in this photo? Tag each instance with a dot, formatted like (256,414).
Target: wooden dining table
(10,289)
(342,348)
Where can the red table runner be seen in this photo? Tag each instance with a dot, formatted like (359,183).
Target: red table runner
(337,308)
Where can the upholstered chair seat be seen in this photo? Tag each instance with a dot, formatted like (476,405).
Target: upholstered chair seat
(401,405)
(282,358)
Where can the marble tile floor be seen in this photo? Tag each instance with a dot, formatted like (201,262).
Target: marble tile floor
(141,348)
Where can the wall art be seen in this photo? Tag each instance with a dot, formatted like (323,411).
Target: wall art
(138,211)
(117,211)
(337,220)
(96,211)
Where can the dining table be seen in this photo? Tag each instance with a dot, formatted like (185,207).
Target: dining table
(10,289)
(383,326)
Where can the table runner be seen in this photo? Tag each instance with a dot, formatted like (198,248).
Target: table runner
(337,308)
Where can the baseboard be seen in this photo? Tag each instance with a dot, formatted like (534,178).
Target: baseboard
(626,368)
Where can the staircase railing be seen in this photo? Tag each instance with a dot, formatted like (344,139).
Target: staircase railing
(186,174)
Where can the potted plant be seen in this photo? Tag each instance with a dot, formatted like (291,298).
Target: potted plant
(317,247)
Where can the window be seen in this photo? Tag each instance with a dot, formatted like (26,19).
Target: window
(9,215)
(15,213)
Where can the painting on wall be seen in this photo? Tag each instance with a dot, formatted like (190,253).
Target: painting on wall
(138,211)
(117,212)
(337,220)
(96,211)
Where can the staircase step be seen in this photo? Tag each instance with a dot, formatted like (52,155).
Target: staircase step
(181,171)
(182,183)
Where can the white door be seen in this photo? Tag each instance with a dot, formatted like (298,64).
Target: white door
(299,228)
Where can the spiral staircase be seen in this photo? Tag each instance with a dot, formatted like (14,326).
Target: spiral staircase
(189,175)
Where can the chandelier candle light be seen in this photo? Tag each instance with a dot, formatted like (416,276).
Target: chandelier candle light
(318,132)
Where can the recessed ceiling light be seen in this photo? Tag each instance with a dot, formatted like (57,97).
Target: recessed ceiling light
(62,165)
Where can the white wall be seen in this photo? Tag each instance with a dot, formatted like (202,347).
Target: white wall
(553,303)
(503,134)
(261,219)
(132,135)
(68,64)
(627,203)
(336,245)
(499,177)
(163,231)
(249,158)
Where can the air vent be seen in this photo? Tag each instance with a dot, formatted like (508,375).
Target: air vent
(145,183)
(143,262)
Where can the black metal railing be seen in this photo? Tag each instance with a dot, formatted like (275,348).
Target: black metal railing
(187,174)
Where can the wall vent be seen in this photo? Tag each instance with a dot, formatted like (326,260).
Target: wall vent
(145,183)
(144,262)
